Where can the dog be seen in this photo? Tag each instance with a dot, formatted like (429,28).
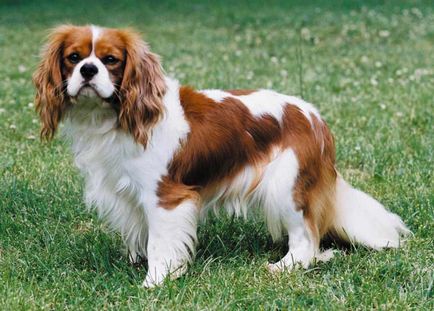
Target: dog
(156,155)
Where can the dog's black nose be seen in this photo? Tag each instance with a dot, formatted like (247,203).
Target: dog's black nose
(88,71)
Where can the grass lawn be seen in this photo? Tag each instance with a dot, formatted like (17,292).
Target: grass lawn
(368,66)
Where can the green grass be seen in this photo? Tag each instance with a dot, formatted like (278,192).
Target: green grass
(368,67)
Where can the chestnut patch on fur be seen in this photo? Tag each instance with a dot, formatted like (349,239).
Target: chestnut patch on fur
(224,137)
(240,92)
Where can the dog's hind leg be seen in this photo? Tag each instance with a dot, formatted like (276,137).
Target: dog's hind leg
(285,215)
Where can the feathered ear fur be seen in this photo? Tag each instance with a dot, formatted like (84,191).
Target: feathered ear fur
(142,89)
(50,102)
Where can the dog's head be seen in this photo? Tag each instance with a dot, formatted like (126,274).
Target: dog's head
(113,65)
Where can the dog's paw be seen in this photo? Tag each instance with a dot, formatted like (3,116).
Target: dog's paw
(326,255)
(278,267)
(150,283)
(157,278)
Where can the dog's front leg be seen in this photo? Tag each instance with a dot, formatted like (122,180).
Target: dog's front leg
(171,241)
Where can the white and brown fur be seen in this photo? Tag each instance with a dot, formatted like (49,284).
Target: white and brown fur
(155,155)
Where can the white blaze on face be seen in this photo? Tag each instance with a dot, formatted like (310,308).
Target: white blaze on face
(100,84)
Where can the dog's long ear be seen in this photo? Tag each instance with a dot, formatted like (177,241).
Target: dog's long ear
(49,100)
(142,89)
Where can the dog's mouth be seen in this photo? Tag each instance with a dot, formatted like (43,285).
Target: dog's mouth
(88,90)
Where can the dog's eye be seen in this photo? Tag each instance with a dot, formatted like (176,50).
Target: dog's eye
(74,58)
(110,60)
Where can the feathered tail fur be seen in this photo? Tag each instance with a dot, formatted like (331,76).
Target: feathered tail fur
(361,219)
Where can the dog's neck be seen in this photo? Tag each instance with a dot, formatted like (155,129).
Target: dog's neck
(89,111)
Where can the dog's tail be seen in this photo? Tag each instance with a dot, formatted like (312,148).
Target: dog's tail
(361,219)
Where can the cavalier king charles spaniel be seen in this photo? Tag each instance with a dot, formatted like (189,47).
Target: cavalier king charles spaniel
(156,155)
